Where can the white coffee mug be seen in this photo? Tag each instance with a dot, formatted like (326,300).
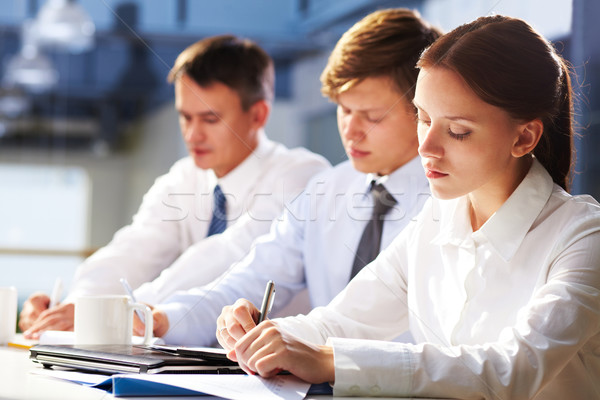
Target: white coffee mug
(8,313)
(108,319)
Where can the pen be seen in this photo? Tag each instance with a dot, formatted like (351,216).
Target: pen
(130,293)
(56,293)
(267,302)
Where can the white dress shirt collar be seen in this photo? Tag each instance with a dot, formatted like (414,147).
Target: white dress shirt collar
(507,227)
(240,180)
(395,182)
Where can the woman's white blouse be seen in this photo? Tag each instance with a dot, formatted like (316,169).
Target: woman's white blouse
(511,311)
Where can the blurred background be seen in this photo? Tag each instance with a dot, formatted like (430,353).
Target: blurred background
(87,120)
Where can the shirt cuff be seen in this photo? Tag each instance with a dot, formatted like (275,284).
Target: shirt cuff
(370,368)
(178,327)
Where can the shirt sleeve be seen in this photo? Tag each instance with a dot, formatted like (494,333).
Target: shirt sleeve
(361,310)
(276,256)
(559,324)
(139,251)
(207,259)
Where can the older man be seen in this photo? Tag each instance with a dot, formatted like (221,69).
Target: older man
(204,214)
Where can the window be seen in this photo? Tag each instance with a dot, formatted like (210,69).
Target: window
(43,225)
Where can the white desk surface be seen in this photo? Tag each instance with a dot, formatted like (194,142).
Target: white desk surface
(17,383)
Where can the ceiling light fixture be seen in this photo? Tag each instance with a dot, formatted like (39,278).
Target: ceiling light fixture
(30,69)
(64,25)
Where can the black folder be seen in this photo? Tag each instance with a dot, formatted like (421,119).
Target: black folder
(112,359)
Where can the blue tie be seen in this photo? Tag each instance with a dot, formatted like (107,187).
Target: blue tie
(218,223)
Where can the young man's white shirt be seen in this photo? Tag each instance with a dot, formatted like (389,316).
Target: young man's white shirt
(166,247)
(312,246)
(511,311)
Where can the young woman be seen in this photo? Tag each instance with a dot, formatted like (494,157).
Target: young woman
(498,279)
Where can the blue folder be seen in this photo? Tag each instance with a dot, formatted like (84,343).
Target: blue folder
(128,386)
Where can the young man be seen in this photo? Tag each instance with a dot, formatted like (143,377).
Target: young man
(323,238)
(234,178)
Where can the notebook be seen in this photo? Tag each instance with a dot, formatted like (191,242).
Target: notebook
(112,359)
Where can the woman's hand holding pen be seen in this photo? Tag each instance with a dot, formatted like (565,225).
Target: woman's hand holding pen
(266,349)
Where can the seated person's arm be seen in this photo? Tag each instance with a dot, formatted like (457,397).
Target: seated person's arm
(137,252)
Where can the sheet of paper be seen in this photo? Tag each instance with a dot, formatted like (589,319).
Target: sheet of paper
(20,342)
(234,386)
(47,337)
(215,350)
(72,376)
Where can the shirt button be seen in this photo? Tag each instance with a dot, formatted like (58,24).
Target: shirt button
(375,389)
(354,389)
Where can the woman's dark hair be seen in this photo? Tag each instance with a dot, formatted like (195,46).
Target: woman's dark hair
(509,65)
(237,63)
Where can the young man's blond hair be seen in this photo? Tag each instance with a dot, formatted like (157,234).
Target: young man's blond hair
(384,43)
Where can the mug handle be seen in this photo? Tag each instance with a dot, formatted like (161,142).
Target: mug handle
(148,320)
